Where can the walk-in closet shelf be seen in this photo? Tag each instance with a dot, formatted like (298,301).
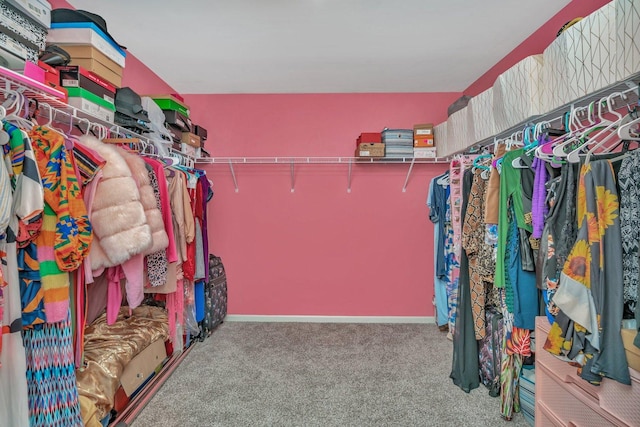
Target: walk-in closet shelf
(629,87)
(53,107)
(292,161)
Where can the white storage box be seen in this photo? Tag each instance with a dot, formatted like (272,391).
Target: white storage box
(591,47)
(440,138)
(424,152)
(555,74)
(459,132)
(86,36)
(40,10)
(627,27)
(518,93)
(481,109)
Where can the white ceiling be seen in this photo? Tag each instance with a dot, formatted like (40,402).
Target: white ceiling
(321,46)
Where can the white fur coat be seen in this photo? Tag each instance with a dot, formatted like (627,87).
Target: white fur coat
(140,173)
(119,223)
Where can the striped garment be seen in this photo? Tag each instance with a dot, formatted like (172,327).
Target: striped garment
(27,210)
(65,238)
(31,292)
(51,377)
(55,283)
(88,163)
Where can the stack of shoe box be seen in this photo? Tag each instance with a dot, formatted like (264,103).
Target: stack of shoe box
(177,120)
(24,25)
(97,61)
(423,141)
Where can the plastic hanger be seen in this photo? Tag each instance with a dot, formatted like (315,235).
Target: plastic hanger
(14,116)
(477,161)
(605,133)
(624,131)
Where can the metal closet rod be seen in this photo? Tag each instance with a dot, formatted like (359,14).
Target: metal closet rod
(80,118)
(317,160)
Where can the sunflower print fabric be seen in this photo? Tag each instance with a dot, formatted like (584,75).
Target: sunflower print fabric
(591,282)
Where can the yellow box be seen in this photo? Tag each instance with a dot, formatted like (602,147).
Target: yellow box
(633,352)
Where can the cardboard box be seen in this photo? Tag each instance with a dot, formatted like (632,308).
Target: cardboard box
(13,19)
(91,103)
(187,149)
(34,72)
(77,77)
(99,69)
(191,139)
(423,129)
(91,108)
(176,134)
(39,10)
(424,152)
(177,119)
(201,132)
(370,150)
(51,74)
(170,102)
(143,366)
(18,49)
(632,352)
(369,138)
(88,34)
(423,141)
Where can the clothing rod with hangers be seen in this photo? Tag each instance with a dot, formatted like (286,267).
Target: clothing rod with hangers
(629,87)
(82,118)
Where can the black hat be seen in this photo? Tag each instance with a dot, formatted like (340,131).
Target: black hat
(71,15)
(130,123)
(129,103)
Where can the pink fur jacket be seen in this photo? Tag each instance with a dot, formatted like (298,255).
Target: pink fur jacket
(119,223)
(152,212)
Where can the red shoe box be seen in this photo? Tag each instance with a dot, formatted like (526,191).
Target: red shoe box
(369,138)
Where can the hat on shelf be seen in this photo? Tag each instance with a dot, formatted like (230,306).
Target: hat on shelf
(71,15)
(128,102)
(127,122)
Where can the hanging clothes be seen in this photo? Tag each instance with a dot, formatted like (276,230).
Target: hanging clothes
(435,202)
(51,376)
(629,184)
(473,243)
(590,291)
(465,366)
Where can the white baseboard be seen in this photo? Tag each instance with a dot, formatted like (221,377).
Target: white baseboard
(329,319)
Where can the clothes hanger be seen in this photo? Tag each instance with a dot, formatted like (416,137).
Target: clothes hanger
(14,116)
(624,130)
(605,133)
(574,127)
(580,132)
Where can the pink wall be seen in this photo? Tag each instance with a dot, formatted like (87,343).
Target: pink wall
(319,250)
(536,43)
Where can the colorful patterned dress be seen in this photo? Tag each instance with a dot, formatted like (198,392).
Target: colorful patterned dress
(590,290)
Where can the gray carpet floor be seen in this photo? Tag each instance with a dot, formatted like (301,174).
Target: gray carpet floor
(309,374)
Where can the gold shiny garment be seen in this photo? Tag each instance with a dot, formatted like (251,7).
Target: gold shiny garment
(108,349)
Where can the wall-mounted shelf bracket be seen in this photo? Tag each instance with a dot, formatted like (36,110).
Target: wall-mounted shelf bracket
(406,181)
(233,175)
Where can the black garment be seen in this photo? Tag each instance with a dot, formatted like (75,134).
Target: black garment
(465,367)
